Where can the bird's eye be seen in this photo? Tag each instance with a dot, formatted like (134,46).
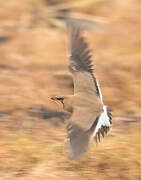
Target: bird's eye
(55,99)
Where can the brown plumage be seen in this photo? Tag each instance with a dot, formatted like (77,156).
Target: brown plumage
(90,117)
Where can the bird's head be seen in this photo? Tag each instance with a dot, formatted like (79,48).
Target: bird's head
(58,99)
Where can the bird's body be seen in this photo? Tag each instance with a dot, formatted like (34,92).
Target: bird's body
(90,117)
(68,103)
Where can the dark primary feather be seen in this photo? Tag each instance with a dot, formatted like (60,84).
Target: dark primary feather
(109,112)
(80,54)
(81,57)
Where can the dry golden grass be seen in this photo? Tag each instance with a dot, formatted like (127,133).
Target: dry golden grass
(33,67)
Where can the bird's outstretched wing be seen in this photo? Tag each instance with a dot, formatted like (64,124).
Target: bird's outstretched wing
(87,103)
(90,116)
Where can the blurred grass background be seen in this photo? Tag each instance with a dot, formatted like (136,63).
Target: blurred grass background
(34,66)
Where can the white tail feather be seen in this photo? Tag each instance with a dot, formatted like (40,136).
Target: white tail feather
(103,120)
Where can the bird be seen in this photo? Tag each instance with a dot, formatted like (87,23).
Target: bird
(90,118)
